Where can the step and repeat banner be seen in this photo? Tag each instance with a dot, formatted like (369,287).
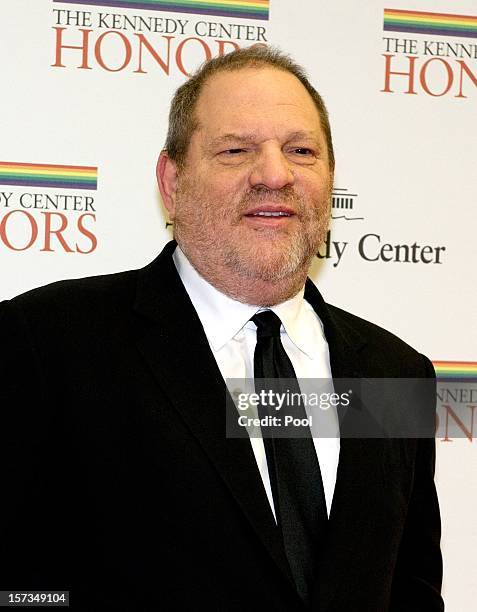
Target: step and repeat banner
(85,90)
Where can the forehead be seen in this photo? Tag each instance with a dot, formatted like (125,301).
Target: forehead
(263,100)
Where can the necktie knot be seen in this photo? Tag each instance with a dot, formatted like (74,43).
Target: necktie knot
(268,324)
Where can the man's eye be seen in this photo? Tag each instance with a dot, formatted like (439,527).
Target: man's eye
(233,151)
(303,151)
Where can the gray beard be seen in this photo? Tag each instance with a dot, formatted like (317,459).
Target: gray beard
(226,264)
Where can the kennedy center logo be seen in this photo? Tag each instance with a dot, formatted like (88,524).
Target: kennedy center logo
(347,239)
(142,36)
(57,215)
(432,54)
(343,204)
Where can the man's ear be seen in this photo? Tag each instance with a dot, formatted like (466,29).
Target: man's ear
(166,172)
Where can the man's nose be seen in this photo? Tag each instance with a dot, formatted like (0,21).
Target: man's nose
(271,169)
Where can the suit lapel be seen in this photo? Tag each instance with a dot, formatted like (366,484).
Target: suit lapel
(171,339)
(358,476)
(344,344)
(349,498)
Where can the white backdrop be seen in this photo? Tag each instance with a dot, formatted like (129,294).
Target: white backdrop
(405,163)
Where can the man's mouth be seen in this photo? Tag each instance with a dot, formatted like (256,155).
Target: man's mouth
(274,211)
(264,213)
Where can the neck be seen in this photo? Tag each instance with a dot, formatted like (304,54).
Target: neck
(249,289)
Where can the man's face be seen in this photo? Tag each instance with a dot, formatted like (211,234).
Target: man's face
(253,197)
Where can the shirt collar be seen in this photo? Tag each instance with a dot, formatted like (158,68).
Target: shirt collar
(297,317)
(223,317)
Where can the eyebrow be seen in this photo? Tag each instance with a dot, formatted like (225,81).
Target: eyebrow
(231,137)
(237,138)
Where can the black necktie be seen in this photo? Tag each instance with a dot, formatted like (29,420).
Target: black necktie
(293,466)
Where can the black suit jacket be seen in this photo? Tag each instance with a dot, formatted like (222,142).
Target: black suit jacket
(120,485)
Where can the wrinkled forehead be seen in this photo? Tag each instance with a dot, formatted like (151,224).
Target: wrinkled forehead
(253,97)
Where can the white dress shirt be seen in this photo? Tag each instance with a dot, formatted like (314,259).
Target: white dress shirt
(232,339)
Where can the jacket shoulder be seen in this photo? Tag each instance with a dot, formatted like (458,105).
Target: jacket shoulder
(78,288)
(381,346)
(59,305)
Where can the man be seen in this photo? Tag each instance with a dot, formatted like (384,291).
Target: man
(120,483)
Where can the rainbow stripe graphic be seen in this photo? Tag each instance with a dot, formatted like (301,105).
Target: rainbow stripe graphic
(456,370)
(442,24)
(48,175)
(249,9)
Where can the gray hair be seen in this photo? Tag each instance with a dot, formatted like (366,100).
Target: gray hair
(182,119)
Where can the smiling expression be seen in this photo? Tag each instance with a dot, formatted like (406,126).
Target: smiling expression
(252,200)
